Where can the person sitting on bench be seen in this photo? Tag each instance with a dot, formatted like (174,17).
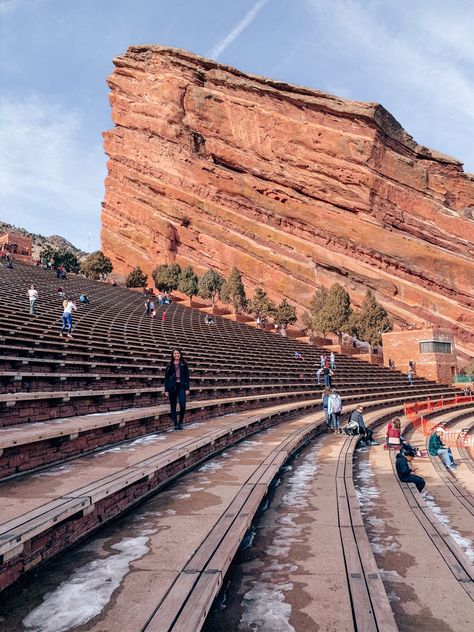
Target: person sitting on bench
(437,448)
(356,418)
(394,439)
(404,470)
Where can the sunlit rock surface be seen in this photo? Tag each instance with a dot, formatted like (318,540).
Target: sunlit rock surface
(213,167)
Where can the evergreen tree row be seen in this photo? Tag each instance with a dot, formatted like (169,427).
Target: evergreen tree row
(213,286)
(330,309)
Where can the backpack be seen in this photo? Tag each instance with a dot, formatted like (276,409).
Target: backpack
(336,404)
(352,428)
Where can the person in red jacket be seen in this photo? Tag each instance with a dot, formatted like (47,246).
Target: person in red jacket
(394,439)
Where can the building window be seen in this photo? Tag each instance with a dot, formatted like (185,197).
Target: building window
(434,346)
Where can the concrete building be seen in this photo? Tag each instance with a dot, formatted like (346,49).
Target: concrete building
(431,349)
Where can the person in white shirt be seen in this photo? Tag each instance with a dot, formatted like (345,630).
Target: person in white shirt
(69,307)
(33,296)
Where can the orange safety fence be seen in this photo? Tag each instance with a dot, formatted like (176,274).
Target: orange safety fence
(428,405)
(450,437)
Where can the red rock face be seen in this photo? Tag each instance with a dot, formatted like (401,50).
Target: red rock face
(212,167)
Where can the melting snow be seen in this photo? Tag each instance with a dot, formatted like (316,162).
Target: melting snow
(54,471)
(211,466)
(83,596)
(368,495)
(265,608)
(465,543)
(129,447)
(264,605)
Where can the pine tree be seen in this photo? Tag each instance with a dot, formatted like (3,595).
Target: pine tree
(372,321)
(166,277)
(285,314)
(66,258)
(336,313)
(60,257)
(233,291)
(316,305)
(210,285)
(188,283)
(136,278)
(96,265)
(261,306)
(46,254)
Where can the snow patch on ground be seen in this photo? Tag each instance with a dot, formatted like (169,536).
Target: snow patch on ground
(264,606)
(465,543)
(84,595)
(148,439)
(130,447)
(112,412)
(245,446)
(368,495)
(54,471)
(194,424)
(211,466)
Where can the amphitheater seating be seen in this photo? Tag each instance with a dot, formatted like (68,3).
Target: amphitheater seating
(450,551)
(63,399)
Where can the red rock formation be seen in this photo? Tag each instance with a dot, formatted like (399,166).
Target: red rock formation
(212,167)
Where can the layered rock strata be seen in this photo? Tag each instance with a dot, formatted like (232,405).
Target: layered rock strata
(213,167)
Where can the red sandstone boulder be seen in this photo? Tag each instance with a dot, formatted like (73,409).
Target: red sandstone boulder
(212,167)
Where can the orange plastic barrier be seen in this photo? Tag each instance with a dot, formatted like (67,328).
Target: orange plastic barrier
(411,410)
(450,437)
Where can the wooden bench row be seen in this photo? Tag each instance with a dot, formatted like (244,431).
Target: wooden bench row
(370,604)
(26,447)
(452,554)
(31,538)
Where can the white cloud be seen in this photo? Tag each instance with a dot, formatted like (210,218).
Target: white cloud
(49,176)
(11,5)
(422,54)
(249,17)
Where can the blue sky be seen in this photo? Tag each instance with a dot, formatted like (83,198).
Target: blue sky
(416,57)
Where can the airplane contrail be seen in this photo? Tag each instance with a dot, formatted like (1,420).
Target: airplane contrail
(249,17)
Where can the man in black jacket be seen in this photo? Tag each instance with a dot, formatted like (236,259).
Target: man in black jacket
(366,433)
(405,472)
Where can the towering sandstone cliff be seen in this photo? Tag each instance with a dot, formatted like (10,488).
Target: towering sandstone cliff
(212,167)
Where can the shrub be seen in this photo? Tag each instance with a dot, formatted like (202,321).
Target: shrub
(371,321)
(285,314)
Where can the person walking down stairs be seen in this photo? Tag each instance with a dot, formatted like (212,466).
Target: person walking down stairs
(335,410)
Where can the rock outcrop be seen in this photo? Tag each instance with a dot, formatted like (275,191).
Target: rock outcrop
(213,167)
